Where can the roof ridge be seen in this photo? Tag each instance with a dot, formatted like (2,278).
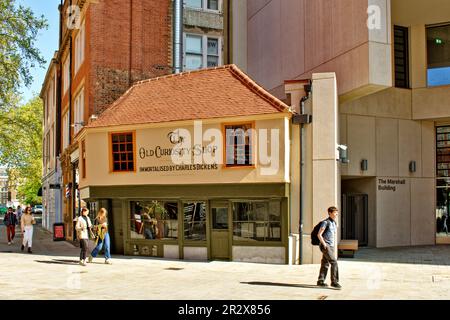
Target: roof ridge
(258,89)
(173,75)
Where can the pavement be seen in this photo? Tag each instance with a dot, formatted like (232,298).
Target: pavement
(52,272)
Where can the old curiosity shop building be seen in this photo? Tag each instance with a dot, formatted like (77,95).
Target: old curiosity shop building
(180,179)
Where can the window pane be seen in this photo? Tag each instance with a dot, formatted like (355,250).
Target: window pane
(195,221)
(213,4)
(213,46)
(194,62)
(116,166)
(193,44)
(252,221)
(154,220)
(193,3)
(213,61)
(438,53)
(220,218)
(130,166)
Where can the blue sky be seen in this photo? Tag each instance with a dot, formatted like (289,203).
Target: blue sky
(47,41)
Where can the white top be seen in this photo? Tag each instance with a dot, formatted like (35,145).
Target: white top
(82,228)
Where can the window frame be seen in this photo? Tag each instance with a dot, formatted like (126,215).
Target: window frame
(111,155)
(80,39)
(224,146)
(65,130)
(66,74)
(204,6)
(253,241)
(427,27)
(204,53)
(78,111)
(165,240)
(406,60)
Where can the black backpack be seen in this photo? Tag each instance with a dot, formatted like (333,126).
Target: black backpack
(314,234)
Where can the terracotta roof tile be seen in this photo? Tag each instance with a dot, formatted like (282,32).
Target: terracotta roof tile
(210,93)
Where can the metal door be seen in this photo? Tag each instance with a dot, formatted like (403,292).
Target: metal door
(354,225)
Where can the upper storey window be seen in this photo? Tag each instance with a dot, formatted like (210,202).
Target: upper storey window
(438,49)
(213,5)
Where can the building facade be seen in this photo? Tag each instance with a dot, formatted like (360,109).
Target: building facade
(51,178)
(225,196)
(100,57)
(391,60)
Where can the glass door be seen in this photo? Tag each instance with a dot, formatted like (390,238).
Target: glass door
(442,184)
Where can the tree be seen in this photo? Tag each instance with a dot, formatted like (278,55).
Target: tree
(21,147)
(18,32)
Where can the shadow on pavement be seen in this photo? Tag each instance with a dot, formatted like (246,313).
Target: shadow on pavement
(277,284)
(54,261)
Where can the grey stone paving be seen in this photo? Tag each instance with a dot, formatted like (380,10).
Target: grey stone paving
(52,272)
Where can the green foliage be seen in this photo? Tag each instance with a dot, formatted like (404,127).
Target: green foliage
(21,148)
(18,32)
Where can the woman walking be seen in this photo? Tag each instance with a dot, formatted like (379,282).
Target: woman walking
(26,225)
(102,236)
(83,229)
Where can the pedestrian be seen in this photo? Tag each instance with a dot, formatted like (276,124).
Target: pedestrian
(83,228)
(10,221)
(26,224)
(102,239)
(444,226)
(327,237)
(19,212)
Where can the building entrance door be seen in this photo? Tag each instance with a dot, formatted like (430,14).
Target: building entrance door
(355,218)
(220,232)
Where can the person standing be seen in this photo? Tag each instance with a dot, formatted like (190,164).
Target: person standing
(83,229)
(103,238)
(26,224)
(327,237)
(10,221)
(19,213)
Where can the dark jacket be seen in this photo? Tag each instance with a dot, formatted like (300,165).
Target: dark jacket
(10,219)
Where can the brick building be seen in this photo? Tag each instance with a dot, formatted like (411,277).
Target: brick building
(105,47)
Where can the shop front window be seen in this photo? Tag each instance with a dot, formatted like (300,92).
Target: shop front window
(194,221)
(257,221)
(443,181)
(154,220)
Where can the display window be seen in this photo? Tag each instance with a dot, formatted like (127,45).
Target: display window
(194,221)
(257,221)
(154,220)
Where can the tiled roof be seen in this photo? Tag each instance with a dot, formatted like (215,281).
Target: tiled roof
(210,93)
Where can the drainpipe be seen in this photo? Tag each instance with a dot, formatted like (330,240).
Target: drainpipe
(302,119)
(177,36)
(70,85)
(130,60)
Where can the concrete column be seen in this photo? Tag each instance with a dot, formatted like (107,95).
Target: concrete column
(324,183)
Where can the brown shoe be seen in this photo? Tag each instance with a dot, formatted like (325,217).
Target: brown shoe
(29,250)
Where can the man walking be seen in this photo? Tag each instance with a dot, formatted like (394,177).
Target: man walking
(327,237)
(10,222)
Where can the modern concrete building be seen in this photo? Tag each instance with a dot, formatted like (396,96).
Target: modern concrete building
(392,65)
(105,47)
